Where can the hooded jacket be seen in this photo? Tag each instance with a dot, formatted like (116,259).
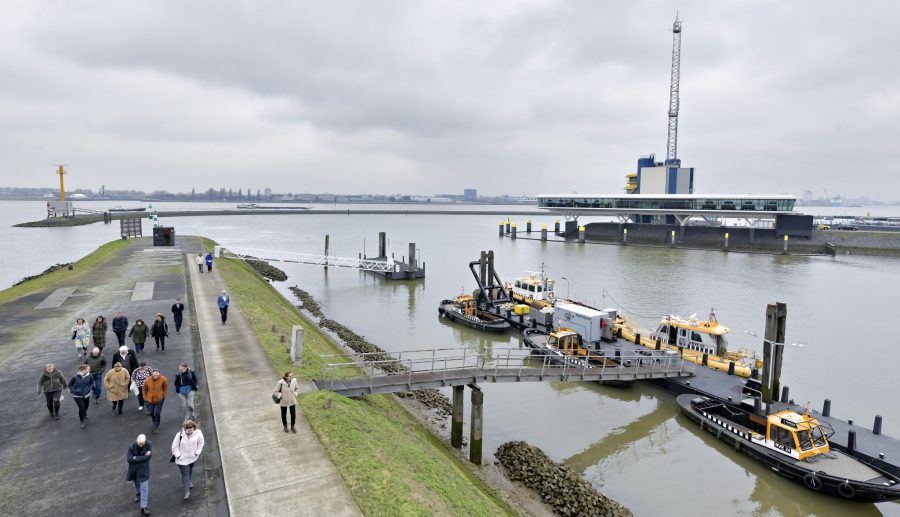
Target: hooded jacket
(81,385)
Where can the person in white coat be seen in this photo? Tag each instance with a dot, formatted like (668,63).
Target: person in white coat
(200,261)
(186,449)
(286,392)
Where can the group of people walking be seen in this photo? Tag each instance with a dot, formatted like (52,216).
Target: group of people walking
(91,336)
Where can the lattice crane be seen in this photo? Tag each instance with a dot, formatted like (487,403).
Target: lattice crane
(672,144)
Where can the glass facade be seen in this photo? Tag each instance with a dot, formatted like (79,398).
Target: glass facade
(754,204)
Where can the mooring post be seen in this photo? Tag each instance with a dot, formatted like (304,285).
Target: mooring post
(326,252)
(637,339)
(482,264)
(382,244)
(624,235)
(413,261)
(851,441)
(556,227)
(581,234)
(501,228)
(778,352)
(456,417)
(672,242)
(477,425)
(528,226)
(757,406)
(785,393)
(785,251)
(876,429)
(826,408)
(543,232)
(513,234)
(726,241)
(658,344)
(730,367)
(507,226)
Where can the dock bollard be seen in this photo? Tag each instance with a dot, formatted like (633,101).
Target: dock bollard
(673,238)
(754,373)
(543,232)
(705,359)
(726,241)
(757,406)
(513,234)
(637,339)
(851,441)
(624,235)
(507,226)
(785,393)
(501,228)
(784,251)
(528,226)
(581,233)
(658,344)
(876,429)
(826,408)
(730,367)
(556,227)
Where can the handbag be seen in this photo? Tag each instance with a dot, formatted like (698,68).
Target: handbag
(133,389)
(60,397)
(276,397)
(172,459)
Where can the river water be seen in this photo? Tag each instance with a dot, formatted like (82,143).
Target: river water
(632,444)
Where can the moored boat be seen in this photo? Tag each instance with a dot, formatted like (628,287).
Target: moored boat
(464,310)
(535,289)
(247,206)
(565,346)
(120,208)
(795,446)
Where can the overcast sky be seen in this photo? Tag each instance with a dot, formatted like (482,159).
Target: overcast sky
(435,96)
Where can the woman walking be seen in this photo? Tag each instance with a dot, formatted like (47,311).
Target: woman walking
(98,332)
(80,386)
(116,382)
(51,384)
(200,261)
(139,376)
(186,448)
(81,333)
(160,331)
(138,334)
(286,391)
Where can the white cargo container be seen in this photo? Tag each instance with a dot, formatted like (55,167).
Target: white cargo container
(586,321)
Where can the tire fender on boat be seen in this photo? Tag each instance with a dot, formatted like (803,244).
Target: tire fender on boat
(813,482)
(846,490)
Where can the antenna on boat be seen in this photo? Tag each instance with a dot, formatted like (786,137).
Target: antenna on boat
(712,315)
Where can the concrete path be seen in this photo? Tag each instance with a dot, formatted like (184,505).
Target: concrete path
(267,472)
(52,467)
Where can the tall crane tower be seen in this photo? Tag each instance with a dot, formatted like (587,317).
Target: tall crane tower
(672,144)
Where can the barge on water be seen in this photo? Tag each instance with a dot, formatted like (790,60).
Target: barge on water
(463,310)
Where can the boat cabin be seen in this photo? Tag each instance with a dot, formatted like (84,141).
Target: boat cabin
(798,436)
(536,286)
(466,304)
(566,341)
(705,337)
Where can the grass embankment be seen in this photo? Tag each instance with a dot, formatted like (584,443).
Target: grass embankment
(391,464)
(54,222)
(95,258)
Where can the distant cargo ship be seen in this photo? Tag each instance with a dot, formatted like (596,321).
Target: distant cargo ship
(120,208)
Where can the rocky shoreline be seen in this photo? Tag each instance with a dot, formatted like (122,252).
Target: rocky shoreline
(55,267)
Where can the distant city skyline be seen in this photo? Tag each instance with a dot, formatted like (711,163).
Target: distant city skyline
(531,97)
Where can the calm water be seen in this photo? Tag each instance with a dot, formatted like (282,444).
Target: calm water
(632,444)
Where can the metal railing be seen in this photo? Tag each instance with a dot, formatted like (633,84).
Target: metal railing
(306,258)
(518,362)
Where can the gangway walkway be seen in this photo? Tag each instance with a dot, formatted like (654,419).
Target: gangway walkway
(361,374)
(381,266)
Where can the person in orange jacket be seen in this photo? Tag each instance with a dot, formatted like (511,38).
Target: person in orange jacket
(154,391)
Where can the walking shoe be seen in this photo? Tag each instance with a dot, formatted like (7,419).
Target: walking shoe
(140,408)
(156,430)
(293,430)
(192,484)
(82,425)
(285,429)
(145,511)
(137,497)
(96,400)
(187,495)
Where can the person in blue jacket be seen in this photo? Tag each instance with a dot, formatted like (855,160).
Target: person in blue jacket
(80,386)
(209,262)
(223,301)
(138,457)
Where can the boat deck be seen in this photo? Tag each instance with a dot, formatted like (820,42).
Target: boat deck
(841,466)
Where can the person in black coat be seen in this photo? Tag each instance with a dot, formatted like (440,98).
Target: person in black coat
(120,327)
(127,358)
(177,314)
(80,386)
(138,457)
(160,331)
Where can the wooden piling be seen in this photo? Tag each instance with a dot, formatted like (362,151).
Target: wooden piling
(456,417)
(476,427)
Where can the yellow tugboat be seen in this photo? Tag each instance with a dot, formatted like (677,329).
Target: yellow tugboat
(701,342)
(535,289)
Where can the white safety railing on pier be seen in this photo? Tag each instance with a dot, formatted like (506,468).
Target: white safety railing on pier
(383,266)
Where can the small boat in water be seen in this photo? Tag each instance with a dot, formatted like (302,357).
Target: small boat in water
(795,446)
(535,289)
(463,309)
(565,346)
(120,208)
(247,206)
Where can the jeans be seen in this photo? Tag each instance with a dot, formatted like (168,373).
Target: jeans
(142,488)
(120,404)
(200,267)
(98,384)
(160,342)
(178,319)
(155,410)
(209,266)
(186,471)
(284,415)
(83,404)
(120,335)
(140,397)
(138,347)
(52,396)
(224,312)
(187,404)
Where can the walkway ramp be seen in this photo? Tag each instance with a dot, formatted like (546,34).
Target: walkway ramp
(380,266)
(438,368)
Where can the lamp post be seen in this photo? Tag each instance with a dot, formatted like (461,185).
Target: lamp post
(774,343)
(770,382)
(567,286)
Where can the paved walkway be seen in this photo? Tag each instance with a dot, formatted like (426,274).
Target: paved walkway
(267,472)
(52,467)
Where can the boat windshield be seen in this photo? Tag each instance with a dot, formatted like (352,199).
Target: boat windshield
(818,436)
(803,438)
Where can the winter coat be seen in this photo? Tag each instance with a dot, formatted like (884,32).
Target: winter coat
(81,386)
(98,331)
(138,462)
(129,362)
(82,334)
(188,378)
(288,392)
(199,260)
(187,448)
(116,384)
(160,328)
(177,309)
(155,389)
(139,333)
(50,382)
(120,324)
(223,301)
(140,376)
(208,259)
(97,364)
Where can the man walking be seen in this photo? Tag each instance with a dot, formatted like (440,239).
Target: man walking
(80,385)
(223,302)
(185,386)
(120,327)
(155,389)
(138,457)
(177,314)
(97,364)
(51,384)
(127,358)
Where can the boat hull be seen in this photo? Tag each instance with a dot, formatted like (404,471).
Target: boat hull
(446,309)
(815,480)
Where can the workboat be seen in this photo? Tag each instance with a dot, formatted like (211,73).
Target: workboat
(120,208)
(247,205)
(535,289)
(701,342)
(795,446)
(565,346)
(463,309)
